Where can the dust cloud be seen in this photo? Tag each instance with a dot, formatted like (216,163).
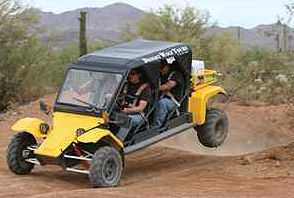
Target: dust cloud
(251,129)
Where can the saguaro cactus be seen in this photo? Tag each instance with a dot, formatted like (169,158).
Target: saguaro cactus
(83,39)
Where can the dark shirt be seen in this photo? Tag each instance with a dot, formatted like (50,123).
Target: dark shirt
(132,90)
(177,77)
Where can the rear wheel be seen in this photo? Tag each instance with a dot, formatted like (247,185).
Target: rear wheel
(215,129)
(18,152)
(106,167)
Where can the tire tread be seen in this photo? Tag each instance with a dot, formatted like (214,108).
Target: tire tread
(100,155)
(206,133)
(13,150)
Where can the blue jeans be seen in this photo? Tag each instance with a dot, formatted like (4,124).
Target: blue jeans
(165,106)
(123,132)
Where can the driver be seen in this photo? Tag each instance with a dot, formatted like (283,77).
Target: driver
(137,96)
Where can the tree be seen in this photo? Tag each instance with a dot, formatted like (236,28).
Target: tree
(20,52)
(221,50)
(187,25)
(171,24)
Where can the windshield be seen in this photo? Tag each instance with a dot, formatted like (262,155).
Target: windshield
(89,88)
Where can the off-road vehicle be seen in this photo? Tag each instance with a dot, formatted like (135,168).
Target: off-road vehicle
(86,116)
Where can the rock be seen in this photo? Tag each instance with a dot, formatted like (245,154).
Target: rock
(278,164)
(14,114)
(245,160)
(273,156)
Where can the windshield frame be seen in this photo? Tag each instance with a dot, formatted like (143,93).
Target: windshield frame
(75,108)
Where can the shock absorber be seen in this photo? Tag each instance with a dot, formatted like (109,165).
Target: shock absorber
(79,153)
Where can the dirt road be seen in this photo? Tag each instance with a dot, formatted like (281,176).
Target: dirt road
(179,167)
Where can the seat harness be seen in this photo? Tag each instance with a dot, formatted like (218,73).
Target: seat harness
(137,94)
(169,94)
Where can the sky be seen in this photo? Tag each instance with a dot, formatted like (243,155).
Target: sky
(244,13)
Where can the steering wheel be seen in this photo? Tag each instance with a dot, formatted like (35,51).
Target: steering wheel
(118,103)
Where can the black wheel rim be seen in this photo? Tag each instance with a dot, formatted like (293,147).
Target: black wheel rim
(22,157)
(110,170)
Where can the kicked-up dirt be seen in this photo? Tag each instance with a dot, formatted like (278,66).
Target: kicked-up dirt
(257,160)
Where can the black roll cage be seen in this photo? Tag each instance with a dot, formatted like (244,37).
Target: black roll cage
(142,54)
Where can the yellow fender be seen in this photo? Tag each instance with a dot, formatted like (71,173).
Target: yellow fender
(97,134)
(198,102)
(30,125)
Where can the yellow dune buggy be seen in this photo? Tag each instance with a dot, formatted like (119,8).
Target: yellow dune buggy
(86,116)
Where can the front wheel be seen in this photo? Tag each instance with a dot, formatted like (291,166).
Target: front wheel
(106,167)
(215,129)
(18,152)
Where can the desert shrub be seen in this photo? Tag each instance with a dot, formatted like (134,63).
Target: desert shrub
(20,52)
(220,50)
(261,75)
(61,58)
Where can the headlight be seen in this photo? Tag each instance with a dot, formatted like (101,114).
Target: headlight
(105,116)
(44,128)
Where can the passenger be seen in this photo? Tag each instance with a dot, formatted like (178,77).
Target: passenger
(170,91)
(137,96)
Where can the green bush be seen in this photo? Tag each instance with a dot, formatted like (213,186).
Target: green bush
(20,53)
(171,24)
(220,50)
(261,75)
(61,58)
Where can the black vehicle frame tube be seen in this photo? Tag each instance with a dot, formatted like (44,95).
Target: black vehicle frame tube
(162,136)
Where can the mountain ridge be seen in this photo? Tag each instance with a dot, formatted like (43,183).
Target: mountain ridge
(106,23)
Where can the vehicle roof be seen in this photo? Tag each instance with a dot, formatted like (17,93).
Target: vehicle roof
(133,54)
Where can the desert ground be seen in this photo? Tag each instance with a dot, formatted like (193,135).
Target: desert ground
(256,160)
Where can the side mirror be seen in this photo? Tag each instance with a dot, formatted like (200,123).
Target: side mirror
(45,108)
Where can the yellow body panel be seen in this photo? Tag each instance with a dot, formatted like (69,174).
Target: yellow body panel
(30,125)
(198,101)
(96,134)
(64,133)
